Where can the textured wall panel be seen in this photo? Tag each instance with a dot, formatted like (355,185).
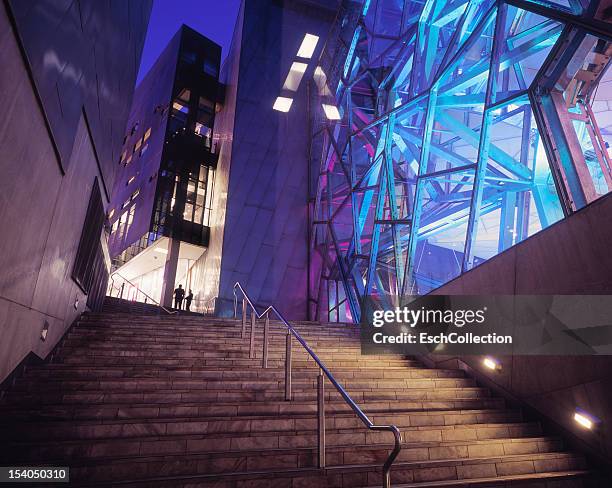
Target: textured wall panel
(570,257)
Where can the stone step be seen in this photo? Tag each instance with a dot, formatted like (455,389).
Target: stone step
(115,469)
(60,372)
(190,324)
(198,361)
(278,347)
(204,353)
(81,429)
(176,396)
(333,477)
(298,384)
(111,411)
(154,441)
(522,467)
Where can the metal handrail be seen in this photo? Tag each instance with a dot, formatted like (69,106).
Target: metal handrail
(323,369)
(155,302)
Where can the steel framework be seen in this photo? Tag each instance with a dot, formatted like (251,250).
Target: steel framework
(465,127)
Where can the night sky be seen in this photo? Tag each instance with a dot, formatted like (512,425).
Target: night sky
(213,18)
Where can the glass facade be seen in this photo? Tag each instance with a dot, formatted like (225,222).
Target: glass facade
(466,127)
(168,159)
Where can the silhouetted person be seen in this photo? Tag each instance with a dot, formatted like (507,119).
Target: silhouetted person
(188,300)
(179,294)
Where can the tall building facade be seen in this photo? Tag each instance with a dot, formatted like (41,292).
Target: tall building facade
(161,204)
(259,226)
(463,129)
(68,71)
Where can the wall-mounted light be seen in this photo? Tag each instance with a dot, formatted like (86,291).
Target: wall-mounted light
(308,46)
(585,419)
(491,363)
(331,112)
(44,331)
(282,104)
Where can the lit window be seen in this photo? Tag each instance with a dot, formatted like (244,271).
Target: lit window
(180,107)
(137,145)
(282,104)
(111,213)
(202,131)
(210,68)
(128,160)
(145,141)
(296,72)
(188,57)
(132,178)
(135,194)
(331,112)
(308,46)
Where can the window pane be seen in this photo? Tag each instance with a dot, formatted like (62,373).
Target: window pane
(187,215)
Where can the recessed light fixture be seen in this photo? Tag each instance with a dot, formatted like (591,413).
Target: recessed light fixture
(296,72)
(308,46)
(331,112)
(282,104)
(44,332)
(584,419)
(491,363)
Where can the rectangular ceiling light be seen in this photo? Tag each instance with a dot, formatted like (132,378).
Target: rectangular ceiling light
(308,46)
(331,112)
(282,104)
(296,72)
(321,81)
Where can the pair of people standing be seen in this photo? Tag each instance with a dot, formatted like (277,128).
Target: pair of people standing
(179,296)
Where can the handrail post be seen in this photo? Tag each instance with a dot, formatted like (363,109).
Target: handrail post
(321,417)
(244,312)
(265,340)
(288,366)
(252,339)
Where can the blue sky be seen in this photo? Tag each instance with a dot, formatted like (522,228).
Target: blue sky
(214,19)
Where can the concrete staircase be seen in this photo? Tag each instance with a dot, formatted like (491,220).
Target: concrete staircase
(160,401)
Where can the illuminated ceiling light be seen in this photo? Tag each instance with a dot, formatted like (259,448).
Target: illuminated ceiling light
(491,363)
(308,46)
(320,79)
(584,419)
(161,250)
(331,112)
(296,72)
(282,104)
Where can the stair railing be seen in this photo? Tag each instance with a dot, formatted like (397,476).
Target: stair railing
(138,290)
(323,372)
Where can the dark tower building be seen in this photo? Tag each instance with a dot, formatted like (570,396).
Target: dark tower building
(163,192)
